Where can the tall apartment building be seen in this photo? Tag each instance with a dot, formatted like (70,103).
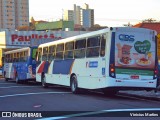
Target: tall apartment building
(81,16)
(14,13)
(68,15)
(87,18)
(77,14)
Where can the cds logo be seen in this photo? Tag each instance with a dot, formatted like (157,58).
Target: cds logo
(124,37)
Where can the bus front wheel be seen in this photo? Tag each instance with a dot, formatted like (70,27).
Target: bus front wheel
(74,84)
(43,80)
(5,78)
(16,79)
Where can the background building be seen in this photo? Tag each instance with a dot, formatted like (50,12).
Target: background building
(14,13)
(77,14)
(87,18)
(81,16)
(56,25)
(68,15)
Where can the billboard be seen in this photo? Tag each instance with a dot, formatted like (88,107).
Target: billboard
(17,39)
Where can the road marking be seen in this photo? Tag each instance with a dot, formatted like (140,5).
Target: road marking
(17,86)
(37,106)
(99,112)
(25,94)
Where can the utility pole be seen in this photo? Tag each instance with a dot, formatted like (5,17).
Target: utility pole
(62,19)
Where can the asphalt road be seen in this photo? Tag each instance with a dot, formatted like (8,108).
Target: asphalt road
(32,101)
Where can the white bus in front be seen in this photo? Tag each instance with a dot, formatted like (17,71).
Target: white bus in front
(111,59)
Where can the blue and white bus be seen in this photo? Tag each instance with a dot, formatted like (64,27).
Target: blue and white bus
(20,64)
(112,59)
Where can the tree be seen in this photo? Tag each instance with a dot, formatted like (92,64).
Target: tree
(28,28)
(149,20)
(96,27)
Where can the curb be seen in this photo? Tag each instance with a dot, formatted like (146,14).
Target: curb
(143,94)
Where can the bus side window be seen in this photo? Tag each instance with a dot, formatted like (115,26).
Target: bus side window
(11,58)
(21,56)
(6,58)
(51,54)
(103,44)
(93,45)
(69,50)
(25,56)
(60,51)
(80,48)
(18,57)
(14,57)
(45,54)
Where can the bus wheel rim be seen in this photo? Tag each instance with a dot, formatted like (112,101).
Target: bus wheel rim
(16,79)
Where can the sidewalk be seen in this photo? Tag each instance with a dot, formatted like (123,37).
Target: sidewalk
(150,94)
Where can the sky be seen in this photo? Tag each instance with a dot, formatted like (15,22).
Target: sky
(111,13)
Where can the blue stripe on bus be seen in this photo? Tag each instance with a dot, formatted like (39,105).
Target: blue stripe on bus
(62,66)
(21,70)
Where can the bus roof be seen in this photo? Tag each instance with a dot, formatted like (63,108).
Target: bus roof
(75,37)
(69,39)
(17,50)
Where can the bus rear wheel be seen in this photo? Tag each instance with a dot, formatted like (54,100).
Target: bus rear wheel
(43,81)
(74,84)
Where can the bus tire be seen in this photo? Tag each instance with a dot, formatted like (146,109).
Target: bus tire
(17,79)
(6,79)
(74,84)
(43,81)
(4,74)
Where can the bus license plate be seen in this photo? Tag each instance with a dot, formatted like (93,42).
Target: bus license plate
(134,77)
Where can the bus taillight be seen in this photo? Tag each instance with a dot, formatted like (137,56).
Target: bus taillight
(112,70)
(155,73)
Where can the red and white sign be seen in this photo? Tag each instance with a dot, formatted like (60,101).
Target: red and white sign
(13,39)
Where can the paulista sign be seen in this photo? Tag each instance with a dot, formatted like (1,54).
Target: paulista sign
(14,39)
